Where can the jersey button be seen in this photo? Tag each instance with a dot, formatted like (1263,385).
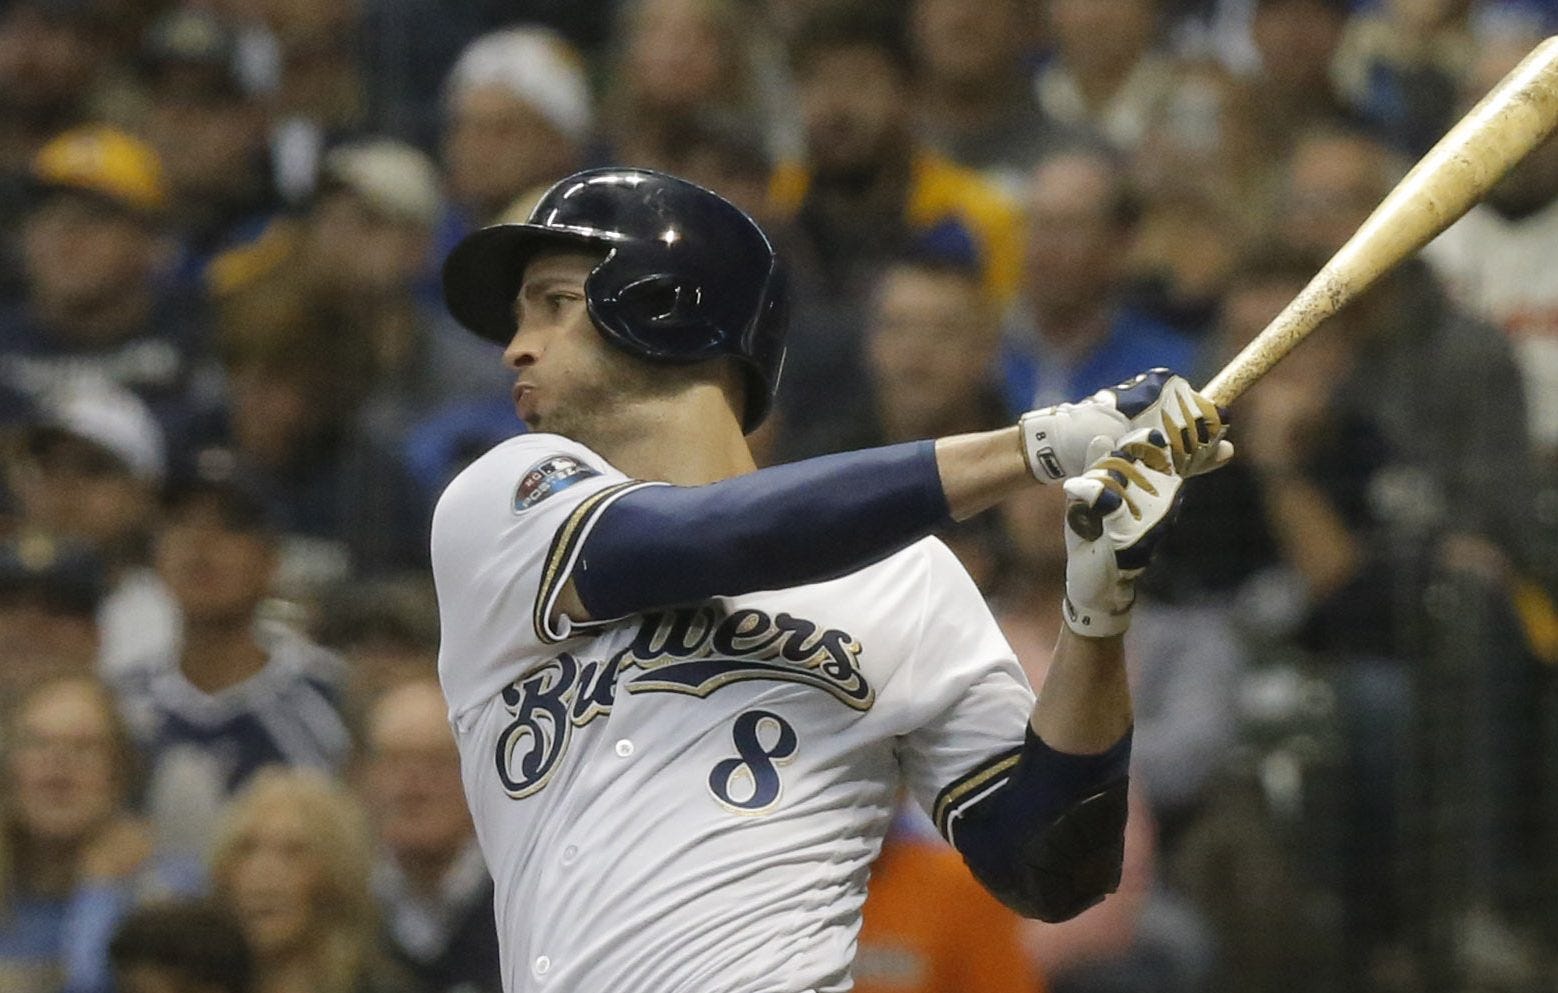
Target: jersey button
(624,748)
(569,854)
(542,965)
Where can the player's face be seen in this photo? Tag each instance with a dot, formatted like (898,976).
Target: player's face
(568,379)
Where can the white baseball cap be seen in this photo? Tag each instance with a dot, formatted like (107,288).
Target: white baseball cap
(107,415)
(538,67)
(392,177)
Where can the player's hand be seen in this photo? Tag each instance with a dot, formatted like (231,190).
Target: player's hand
(1133,491)
(1060,442)
(1194,426)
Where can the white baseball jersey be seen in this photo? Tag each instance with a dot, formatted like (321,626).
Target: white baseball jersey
(1503,270)
(691,800)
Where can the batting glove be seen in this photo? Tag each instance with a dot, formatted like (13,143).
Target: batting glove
(1060,442)
(1134,491)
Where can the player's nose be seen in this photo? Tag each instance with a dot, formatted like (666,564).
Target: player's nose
(523,349)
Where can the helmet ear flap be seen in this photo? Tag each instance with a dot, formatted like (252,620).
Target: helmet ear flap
(670,308)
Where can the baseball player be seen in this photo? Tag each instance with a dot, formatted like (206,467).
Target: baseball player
(687,691)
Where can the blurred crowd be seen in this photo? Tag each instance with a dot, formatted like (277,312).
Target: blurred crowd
(230,394)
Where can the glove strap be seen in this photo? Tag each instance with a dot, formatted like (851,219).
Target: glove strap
(1036,427)
(1094,622)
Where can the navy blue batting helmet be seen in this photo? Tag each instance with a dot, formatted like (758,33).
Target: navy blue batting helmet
(686,276)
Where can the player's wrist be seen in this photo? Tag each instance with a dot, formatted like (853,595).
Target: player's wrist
(1061,441)
(1096,621)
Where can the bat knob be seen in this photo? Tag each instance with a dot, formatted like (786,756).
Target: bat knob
(1084,521)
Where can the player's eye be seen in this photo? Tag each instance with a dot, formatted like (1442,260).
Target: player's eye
(556,301)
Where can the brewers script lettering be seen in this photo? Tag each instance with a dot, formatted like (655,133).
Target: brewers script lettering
(694,651)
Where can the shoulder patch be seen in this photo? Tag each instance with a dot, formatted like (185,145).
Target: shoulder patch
(549,476)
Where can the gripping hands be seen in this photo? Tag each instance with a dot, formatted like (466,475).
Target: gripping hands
(1060,442)
(1133,491)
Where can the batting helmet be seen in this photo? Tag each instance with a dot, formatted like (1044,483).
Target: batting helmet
(686,275)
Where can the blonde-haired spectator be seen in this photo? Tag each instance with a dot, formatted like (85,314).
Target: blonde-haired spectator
(292,859)
(73,859)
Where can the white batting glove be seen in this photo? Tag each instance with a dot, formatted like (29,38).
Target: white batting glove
(1133,491)
(1060,442)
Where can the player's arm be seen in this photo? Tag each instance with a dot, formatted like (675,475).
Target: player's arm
(1043,827)
(814,520)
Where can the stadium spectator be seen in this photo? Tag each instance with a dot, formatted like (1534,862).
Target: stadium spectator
(730,156)
(207,120)
(1105,75)
(291,860)
(1410,332)
(865,192)
(866,188)
(1072,331)
(1188,243)
(360,252)
(681,60)
(1401,65)
(184,946)
(95,254)
(239,694)
(331,356)
(433,890)
(50,595)
(974,96)
(89,470)
(386,630)
(932,338)
(72,857)
(518,116)
(1293,92)
(1491,260)
(52,60)
(319,97)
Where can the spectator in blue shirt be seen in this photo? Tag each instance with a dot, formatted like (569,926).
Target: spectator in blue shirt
(1072,332)
(240,694)
(73,859)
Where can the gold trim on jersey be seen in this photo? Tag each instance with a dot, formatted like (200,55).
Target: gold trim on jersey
(560,557)
(967,788)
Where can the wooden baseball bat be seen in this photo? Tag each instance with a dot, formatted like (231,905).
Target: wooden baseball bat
(1508,123)
(1516,116)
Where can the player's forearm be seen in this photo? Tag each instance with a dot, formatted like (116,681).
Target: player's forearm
(1084,706)
(980,470)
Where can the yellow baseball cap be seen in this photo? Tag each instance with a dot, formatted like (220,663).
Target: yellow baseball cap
(105,162)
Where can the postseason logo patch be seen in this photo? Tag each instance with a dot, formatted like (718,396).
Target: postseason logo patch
(547,477)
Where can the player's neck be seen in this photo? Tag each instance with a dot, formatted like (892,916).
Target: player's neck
(690,439)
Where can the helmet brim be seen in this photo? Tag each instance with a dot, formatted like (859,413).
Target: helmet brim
(483,274)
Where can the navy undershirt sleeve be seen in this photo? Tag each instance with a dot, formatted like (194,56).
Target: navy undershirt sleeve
(1011,842)
(1043,786)
(783,526)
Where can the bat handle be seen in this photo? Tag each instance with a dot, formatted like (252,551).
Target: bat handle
(1085,521)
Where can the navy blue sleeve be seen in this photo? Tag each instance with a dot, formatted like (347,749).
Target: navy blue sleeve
(783,526)
(1043,830)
